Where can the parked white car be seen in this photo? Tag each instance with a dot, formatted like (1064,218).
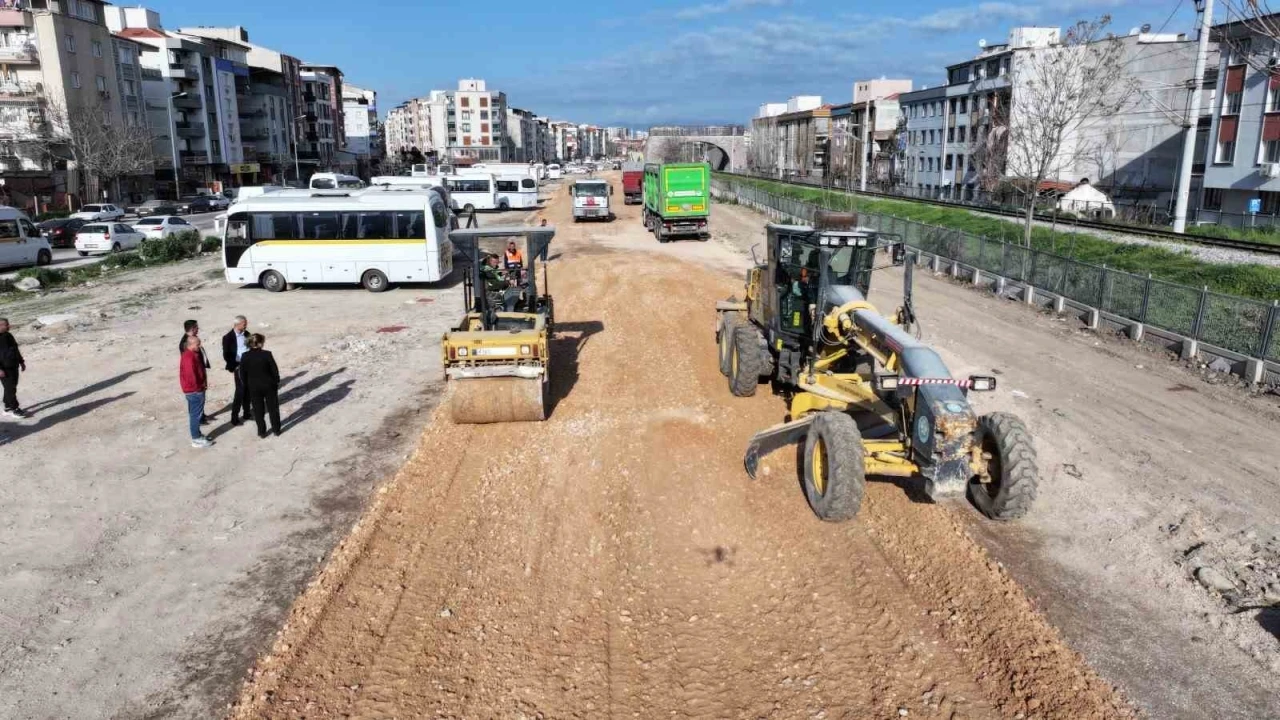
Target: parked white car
(20,240)
(160,226)
(98,213)
(101,238)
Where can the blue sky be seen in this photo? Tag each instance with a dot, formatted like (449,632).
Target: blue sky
(646,63)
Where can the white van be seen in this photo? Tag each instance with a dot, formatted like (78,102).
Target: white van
(20,241)
(554,172)
(518,191)
(335,181)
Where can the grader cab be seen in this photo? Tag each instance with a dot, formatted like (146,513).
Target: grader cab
(866,396)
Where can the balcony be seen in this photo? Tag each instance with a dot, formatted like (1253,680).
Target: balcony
(308,97)
(19,55)
(183,71)
(188,128)
(21,91)
(190,102)
(194,156)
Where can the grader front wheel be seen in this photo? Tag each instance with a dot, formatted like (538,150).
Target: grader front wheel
(834,474)
(724,341)
(746,363)
(1008,482)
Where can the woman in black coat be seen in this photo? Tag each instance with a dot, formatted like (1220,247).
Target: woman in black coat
(262,379)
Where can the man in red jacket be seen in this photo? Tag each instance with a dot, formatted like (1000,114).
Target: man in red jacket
(191,375)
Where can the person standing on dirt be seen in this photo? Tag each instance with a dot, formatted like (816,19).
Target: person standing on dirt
(12,365)
(234,345)
(262,379)
(194,382)
(190,328)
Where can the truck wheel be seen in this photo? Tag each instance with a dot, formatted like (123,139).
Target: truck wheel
(745,364)
(834,475)
(729,323)
(1011,467)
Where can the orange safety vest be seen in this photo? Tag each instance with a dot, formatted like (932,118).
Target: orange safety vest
(514,257)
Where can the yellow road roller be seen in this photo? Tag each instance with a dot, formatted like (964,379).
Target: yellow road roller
(497,359)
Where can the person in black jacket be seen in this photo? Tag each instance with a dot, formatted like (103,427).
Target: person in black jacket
(262,380)
(191,328)
(234,345)
(11,362)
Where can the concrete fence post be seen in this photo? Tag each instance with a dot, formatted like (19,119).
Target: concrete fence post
(1146,300)
(1269,330)
(1197,326)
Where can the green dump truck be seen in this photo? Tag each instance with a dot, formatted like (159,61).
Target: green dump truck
(677,200)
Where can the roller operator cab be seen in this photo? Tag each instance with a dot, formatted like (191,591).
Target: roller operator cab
(677,200)
(865,395)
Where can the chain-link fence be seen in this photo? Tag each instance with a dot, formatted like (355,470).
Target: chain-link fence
(1242,325)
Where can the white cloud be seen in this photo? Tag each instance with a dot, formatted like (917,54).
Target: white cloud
(698,12)
(972,17)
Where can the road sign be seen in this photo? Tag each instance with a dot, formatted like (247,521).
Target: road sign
(244,168)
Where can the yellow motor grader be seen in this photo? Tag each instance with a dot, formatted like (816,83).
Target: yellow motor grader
(497,359)
(865,396)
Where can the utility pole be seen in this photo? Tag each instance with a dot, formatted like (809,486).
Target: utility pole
(1193,120)
(173,145)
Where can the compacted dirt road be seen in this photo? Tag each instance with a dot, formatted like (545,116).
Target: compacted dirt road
(616,561)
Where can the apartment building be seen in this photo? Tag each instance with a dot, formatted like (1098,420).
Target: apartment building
(1242,163)
(268,109)
(522,135)
(57,58)
(319,140)
(864,137)
(360,117)
(791,139)
(956,135)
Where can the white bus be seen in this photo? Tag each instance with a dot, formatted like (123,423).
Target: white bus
(372,237)
(335,181)
(519,192)
(474,192)
(422,181)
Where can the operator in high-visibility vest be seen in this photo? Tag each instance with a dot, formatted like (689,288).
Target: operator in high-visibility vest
(515,258)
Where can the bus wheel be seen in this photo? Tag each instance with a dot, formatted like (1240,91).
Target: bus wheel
(468,208)
(273,281)
(374,281)
(504,205)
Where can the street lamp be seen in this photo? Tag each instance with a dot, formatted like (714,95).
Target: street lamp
(173,144)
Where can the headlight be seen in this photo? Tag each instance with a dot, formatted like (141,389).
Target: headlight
(462,352)
(524,350)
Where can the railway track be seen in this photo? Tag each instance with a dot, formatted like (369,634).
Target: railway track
(1247,245)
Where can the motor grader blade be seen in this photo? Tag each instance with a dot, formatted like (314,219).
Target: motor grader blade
(483,399)
(774,438)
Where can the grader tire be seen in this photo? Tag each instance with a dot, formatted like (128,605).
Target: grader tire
(478,401)
(745,362)
(1014,476)
(834,471)
(729,323)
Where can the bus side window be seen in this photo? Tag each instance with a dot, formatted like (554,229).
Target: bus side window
(320,225)
(322,184)
(375,225)
(410,226)
(238,233)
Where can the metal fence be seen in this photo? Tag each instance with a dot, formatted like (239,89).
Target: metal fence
(1241,325)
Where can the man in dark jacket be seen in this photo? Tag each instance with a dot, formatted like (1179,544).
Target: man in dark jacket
(11,363)
(191,328)
(262,380)
(234,345)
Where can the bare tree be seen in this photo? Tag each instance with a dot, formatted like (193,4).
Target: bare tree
(1255,36)
(764,146)
(103,146)
(665,149)
(1058,88)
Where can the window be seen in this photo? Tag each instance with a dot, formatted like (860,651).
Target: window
(130,88)
(466,114)
(484,102)
(949,161)
(1273,99)
(1240,50)
(1226,151)
(484,114)
(1271,151)
(75,79)
(528,184)
(1270,203)
(964,105)
(469,185)
(1213,198)
(410,225)
(96,48)
(126,55)
(71,43)
(465,102)
(320,225)
(82,9)
(484,127)
(101,82)
(951,134)
(1231,103)
(440,215)
(951,109)
(960,133)
(275,226)
(466,127)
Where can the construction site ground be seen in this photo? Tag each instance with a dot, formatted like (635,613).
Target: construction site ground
(616,561)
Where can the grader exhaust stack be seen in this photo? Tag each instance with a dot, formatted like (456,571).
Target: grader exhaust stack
(497,359)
